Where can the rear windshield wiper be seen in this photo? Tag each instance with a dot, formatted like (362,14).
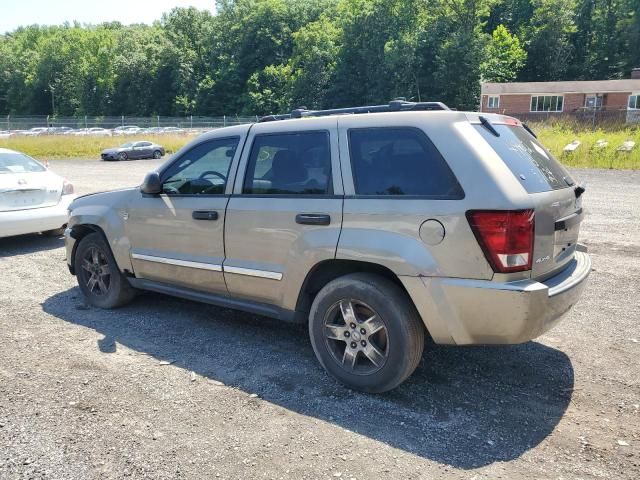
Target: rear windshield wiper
(528,129)
(487,124)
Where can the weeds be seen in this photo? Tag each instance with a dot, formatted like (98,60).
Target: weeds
(587,155)
(64,147)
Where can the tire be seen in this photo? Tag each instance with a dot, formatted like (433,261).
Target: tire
(157,154)
(112,290)
(122,156)
(395,330)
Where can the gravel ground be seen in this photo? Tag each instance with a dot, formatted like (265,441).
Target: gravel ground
(166,388)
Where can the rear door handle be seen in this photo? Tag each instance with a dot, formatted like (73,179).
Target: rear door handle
(313,219)
(205,215)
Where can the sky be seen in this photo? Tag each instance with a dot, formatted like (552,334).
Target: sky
(16,13)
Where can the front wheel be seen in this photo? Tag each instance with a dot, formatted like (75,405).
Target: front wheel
(98,275)
(366,332)
(122,156)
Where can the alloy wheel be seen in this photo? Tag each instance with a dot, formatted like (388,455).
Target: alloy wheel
(356,337)
(96,272)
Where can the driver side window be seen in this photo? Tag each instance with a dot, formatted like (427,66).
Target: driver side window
(203,170)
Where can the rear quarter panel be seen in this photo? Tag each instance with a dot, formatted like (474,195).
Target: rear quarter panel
(387,230)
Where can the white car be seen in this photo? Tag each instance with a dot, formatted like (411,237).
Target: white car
(32,199)
(36,131)
(94,132)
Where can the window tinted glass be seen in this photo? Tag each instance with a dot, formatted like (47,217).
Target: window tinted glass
(203,170)
(399,161)
(527,159)
(290,163)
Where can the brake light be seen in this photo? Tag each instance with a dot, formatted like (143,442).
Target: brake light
(67,188)
(506,238)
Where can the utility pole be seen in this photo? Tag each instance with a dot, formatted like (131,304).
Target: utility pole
(53,100)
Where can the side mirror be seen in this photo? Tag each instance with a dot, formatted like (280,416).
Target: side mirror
(151,184)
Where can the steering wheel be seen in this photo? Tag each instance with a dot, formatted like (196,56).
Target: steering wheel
(211,172)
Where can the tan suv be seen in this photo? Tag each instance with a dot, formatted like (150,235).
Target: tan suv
(375,225)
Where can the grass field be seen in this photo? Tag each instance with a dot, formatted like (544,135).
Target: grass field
(65,147)
(555,138)
(586,155)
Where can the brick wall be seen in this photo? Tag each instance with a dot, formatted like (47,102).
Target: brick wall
(514,104)
(616,101)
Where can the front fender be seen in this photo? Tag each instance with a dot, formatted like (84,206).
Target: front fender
(108,216)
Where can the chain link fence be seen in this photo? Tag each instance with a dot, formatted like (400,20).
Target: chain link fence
(14,122)
(580,120)
(588,119)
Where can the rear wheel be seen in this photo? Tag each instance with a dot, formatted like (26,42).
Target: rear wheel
(123,156)
(157,154)
(366,332)
(98,275)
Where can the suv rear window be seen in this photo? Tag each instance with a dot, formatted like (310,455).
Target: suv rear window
(398,161)
(537,170)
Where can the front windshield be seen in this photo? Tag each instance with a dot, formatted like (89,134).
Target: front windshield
(18,163)
(126,145)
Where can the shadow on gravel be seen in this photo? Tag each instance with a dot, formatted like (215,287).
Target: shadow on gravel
(25,244)
(465,407)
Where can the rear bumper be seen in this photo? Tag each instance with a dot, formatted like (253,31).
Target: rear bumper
(32,220)
(467,312)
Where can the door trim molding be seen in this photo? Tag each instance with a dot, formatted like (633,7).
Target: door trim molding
(253,273)
(208,266)
(180,263)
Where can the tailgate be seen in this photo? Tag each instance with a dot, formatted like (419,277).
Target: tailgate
(556,198)
(558,217)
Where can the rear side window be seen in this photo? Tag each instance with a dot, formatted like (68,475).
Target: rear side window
(399,162)
(289,164)
(528,160)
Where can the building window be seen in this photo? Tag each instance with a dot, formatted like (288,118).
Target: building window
(547,103)
(493,101)
(593,101)
(634,101)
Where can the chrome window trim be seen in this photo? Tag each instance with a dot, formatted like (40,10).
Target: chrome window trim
(179,263)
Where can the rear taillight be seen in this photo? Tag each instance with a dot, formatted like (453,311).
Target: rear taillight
(67,188)
(506,237)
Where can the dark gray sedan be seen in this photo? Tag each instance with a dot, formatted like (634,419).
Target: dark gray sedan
(134,150)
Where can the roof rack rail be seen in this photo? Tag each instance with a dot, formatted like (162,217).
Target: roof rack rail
(393,106)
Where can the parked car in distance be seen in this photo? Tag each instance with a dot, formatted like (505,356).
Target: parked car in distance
(154,130)
(94,132)
(375,229)
(32,198)
(173,131)
(59,130)
(126,130)
(36,131)
(5,134)
(134,151)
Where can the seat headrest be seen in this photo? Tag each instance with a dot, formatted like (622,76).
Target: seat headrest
(287,168)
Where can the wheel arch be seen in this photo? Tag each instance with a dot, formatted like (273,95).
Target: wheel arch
(328,270)
(78,232)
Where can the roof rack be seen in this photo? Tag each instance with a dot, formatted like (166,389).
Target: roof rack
(393,106)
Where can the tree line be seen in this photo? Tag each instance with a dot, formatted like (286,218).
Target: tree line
(267,56)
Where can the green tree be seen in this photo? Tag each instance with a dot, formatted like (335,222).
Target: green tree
(548,44)
(504,57)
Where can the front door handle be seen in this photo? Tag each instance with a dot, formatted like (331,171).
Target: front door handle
(313,219)
(205,215)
